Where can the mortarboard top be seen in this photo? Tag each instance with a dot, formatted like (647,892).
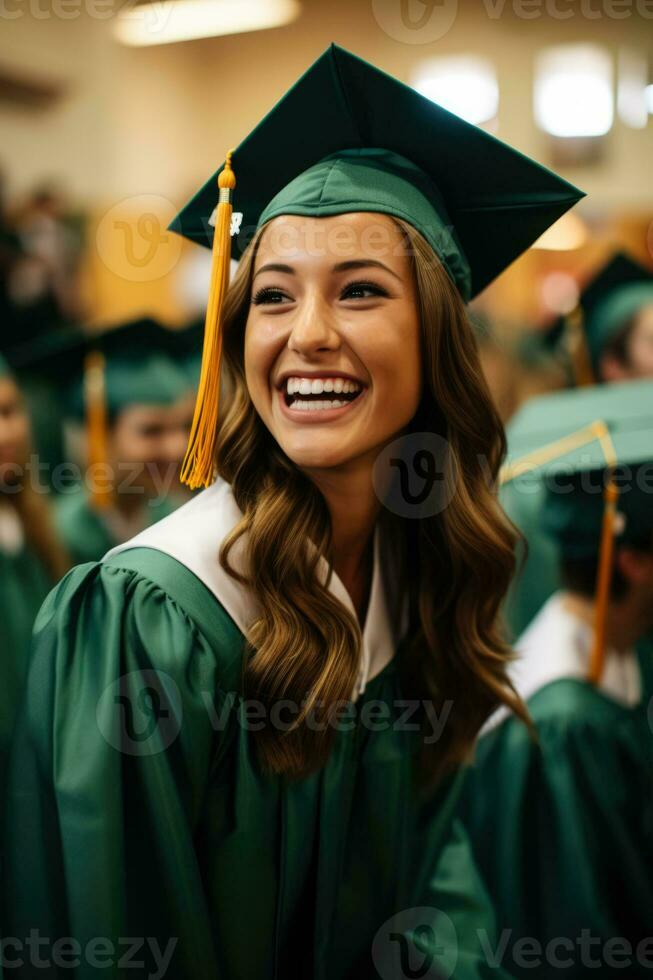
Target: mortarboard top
(185,347)
(349,137)
(625,408)
(608,301)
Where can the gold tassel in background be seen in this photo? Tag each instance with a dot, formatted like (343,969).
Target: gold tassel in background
(198,469)
(604,579)
(577,349)
(96,426)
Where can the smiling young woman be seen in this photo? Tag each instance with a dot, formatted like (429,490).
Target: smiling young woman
(245,728)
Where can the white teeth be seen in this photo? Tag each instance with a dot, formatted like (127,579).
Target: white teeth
(318,405)
(316,386)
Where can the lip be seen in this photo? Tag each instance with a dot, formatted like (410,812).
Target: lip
(308,417)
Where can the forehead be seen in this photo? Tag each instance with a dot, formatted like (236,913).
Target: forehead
(142,414)
(645,316)
(298,239)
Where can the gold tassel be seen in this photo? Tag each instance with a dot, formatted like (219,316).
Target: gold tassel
(198,469)
(96,424)
(577,349)
(604,579)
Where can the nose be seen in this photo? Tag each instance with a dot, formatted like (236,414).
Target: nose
(314,325)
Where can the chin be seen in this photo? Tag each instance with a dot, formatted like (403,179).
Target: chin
(319,455)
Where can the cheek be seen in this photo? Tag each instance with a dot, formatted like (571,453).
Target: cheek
(392,355)
(262,346)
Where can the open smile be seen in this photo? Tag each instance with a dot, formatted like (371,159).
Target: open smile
(312,410)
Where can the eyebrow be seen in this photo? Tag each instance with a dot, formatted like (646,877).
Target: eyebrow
(340,267)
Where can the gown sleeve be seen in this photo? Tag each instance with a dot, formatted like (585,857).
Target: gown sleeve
(563,828)
(110,760)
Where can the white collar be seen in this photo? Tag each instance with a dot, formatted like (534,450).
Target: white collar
(193,535)
(557,645)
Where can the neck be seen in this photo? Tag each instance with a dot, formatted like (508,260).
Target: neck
(626,620)
(128,504)
(354,508)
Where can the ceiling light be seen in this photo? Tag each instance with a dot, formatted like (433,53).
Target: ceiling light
(168,21)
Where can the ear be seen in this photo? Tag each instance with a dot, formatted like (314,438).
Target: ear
(635,566)
(612,369)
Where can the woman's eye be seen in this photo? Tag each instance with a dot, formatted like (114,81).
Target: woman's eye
(269,295)
(362,290)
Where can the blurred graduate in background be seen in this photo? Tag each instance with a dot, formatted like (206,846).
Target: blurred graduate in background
(32,558)
(608,338)
(135,402)
(569,849)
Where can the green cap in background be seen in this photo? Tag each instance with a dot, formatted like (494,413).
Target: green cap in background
(138,367)
(568,439)
(608,302)
(348,137)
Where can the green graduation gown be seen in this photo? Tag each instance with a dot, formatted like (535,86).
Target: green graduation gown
(89,534)
(180,837)
(24,584)
(563,830)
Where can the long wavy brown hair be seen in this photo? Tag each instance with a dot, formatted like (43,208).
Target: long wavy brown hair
(33,511)
(305,646)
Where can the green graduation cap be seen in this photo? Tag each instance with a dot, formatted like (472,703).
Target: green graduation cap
(607,303)
(138,367)
(123,365)
(348,137)
(593,449)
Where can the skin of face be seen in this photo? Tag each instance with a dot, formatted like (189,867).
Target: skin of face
(335,293)
(14,431)
(640,344)
(150,440)
(639,351)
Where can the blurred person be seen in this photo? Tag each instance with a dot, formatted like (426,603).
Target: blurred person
(32,558)
(609,338)
(292,844)
(562,823)
(145,404)
(50,236)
